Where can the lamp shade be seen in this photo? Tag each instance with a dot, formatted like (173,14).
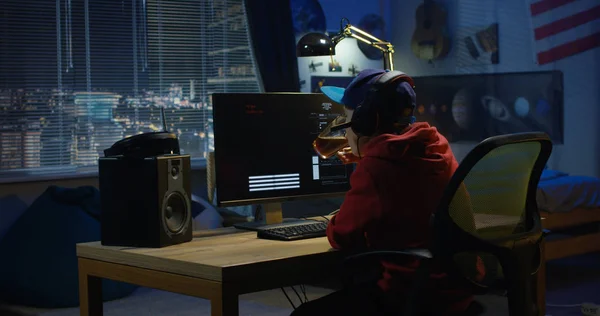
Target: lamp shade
(315,44)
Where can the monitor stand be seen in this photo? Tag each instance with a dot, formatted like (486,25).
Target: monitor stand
(273,215)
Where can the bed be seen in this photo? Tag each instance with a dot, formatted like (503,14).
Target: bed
(570,211)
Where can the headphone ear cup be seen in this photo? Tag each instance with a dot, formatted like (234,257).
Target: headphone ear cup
(364,118)
(356,121)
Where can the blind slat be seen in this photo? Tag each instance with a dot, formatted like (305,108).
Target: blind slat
(70,87)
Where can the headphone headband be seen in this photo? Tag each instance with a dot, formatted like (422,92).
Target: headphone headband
(392,76)
(366,118)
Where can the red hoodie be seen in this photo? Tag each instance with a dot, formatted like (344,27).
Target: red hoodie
(395,188)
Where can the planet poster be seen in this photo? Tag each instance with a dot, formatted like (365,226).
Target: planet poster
(475,107)
(471,108)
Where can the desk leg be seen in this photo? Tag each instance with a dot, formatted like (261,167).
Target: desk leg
(90,293)
(227,304)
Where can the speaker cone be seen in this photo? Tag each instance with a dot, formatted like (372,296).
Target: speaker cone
(175,212)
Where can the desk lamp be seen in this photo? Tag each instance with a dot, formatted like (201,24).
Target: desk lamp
(320,44)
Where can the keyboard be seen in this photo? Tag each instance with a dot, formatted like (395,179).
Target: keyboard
(294,231)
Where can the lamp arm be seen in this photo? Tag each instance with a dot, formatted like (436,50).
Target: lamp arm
(382,46)
(386,47)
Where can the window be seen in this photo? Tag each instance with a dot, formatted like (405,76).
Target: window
(78,75)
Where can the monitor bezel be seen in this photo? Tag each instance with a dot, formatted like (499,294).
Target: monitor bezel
(266,200)
(279,199)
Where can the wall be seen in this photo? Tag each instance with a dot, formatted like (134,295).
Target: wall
(580,153)
(29,191)
(347,51)
(353,10)
(335,10)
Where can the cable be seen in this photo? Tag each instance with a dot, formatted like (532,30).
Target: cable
(342,23)
(303,288)
(299,297)
(565,305)
(257,213)
(288,298)
(312,219)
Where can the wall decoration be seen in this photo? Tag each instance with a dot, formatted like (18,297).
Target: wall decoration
(477,46)
(347,54)
(308,16)
(557,31)
(352,70)
(313,66)
(374,25)
(474,107)
(430,39)
(334,66)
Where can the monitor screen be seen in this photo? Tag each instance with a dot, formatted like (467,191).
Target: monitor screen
(263,148)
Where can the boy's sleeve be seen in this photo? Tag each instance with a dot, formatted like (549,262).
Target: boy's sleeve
(346,230)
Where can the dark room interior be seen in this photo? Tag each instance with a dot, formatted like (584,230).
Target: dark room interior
(154,157)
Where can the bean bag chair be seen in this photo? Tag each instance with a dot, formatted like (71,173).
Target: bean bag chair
(38,266)
(11,208)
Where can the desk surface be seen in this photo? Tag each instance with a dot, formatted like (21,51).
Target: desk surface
(234,256)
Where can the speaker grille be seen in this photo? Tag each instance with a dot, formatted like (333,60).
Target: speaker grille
(175,212)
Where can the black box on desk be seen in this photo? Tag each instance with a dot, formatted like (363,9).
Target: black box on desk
(145,201)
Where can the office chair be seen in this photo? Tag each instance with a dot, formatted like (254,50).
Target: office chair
(488,216)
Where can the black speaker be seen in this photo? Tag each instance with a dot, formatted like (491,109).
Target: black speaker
(145,202)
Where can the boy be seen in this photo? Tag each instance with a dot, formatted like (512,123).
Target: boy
(403,170)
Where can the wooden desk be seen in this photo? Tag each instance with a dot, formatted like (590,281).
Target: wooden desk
(218,265)
(218,268)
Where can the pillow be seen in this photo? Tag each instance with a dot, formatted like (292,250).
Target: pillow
(39,262)
(568,192)
(548,174)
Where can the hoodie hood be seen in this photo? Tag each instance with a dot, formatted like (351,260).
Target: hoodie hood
(420,142)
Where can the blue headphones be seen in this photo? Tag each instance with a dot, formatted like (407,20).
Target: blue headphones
(377,109)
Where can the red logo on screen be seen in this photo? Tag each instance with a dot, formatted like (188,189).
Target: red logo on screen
(253,110)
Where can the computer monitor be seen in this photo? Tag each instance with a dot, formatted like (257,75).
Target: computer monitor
(263,148)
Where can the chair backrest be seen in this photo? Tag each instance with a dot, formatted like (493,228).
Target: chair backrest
(490,202)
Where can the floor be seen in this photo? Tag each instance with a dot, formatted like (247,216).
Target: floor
(570,282)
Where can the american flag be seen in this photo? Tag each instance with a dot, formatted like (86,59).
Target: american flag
(563,28)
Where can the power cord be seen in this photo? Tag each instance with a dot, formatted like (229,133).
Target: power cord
(315,215)
(257,213)
(288,298)
(302,290)
(307,218)
(299,297)
(563,305)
